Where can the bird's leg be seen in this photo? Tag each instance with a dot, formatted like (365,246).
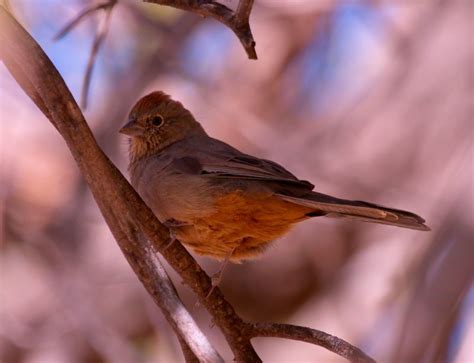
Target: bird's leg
(217,277)
(172,224)
(171,240)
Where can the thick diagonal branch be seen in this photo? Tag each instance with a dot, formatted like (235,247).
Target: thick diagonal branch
(237,21)
(132,223)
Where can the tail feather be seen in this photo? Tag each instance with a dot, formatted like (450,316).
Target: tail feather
(364,211)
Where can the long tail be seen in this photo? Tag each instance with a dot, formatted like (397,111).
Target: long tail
(334,207)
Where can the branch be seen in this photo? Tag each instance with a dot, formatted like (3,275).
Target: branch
(117,200)
(98,39)
(134,226)
(317,337)
(242,14)
(238,22)
(81,16)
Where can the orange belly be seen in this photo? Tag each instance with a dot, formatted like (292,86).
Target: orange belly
(242,223)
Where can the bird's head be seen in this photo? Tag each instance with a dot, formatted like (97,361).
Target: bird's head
(155,122)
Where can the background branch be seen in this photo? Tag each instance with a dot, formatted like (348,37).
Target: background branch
(238,22)
(99,37)
(81,16)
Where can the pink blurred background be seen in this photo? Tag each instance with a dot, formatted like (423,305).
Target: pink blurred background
(369,100)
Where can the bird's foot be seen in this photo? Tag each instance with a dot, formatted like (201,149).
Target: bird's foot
(214,284)
(172,224)
(217,277)
(172,239)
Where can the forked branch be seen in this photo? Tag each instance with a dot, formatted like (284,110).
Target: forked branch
(132,223)
(237,21)
(81,16)
(38,77)
(137,231)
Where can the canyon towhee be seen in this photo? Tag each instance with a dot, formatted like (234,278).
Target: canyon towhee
(217,200)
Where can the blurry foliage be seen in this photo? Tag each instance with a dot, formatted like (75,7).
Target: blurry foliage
(372,100)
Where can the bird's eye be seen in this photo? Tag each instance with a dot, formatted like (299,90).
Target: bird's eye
(157,121)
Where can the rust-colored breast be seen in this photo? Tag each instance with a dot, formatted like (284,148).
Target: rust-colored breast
(241,221)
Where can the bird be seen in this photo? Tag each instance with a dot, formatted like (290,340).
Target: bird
(221,202)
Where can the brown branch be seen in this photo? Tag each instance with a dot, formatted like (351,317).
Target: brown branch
(132,223)
(242,13)
(116,199)
(137,231)
(317,337)
(238,22)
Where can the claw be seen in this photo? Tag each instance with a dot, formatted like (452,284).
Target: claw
(217,277)
(172,224)
(173,239)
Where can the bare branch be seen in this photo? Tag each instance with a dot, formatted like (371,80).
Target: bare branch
(317,337)
(242,14)
(99,38)
(82,15)
(134,226)
(22,56)
(238,22)
(188,354)
(193,338)
(132,223)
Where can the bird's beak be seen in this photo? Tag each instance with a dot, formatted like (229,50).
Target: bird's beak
(131,128)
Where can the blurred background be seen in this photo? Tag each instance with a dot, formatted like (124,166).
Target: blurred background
(369,100)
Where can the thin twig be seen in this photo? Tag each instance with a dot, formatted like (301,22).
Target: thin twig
(77,19)
(317,337)
(98,39)
(238,22)
(242,13)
